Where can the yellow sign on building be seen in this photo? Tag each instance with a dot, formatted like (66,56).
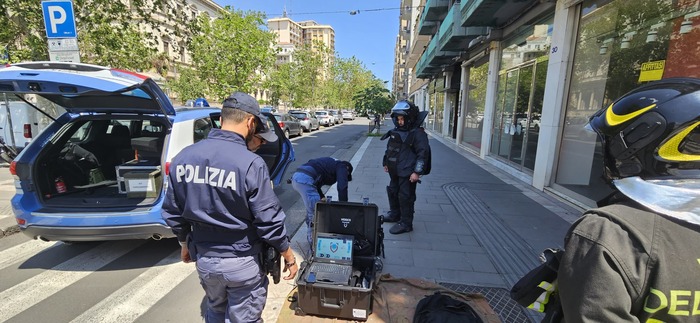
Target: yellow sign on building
(652,71)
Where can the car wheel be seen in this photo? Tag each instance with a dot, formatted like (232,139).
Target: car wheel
(286,133)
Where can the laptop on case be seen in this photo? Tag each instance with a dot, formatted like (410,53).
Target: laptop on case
(332,259)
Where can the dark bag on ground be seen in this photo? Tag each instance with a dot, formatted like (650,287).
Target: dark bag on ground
(440,308)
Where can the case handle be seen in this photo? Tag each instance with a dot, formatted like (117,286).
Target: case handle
(338,306)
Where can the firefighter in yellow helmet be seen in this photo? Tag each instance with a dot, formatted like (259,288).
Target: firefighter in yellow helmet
(636,257)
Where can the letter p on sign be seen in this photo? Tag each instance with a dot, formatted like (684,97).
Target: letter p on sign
(57,16)
(58,19)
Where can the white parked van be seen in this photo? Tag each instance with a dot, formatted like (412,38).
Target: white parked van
(25,120)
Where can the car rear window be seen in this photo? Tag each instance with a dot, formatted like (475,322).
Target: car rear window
(319,113)
(299,115)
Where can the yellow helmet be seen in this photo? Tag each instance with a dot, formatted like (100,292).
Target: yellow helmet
(652,131)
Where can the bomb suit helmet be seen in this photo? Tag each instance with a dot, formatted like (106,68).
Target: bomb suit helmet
(652,131)
(406,109)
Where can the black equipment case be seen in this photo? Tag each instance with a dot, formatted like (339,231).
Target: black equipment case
(349,302)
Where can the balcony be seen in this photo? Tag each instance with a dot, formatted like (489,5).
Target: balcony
(418,45)
(433,59)
(423,70)
(427,28)
(454,37)
(491,13)
(433,12)
(437,57)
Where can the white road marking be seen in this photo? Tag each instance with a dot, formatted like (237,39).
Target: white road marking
(38,288)
(23,251)
(133,300)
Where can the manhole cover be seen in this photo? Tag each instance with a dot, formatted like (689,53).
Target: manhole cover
(507,309)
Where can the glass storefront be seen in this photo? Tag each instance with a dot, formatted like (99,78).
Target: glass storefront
(438,101)
(449,115)
(474,115)
(520,95)
(620,45)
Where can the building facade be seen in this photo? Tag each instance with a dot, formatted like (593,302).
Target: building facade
(172,46)
(292,35)
(515,82)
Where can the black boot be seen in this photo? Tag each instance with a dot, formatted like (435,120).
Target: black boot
(401,227)
(394,215)
(391,217)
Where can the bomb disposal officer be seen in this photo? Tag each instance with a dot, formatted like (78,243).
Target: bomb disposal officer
(221,206)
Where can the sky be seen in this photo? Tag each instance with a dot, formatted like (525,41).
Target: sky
(369,35)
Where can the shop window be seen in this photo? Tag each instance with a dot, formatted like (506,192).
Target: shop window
(620,45)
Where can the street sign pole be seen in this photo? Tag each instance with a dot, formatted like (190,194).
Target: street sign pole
(59,22)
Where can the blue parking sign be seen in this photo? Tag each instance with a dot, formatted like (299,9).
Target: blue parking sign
(58,19)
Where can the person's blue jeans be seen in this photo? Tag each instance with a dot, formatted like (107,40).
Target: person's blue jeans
(236,289)
(304,185)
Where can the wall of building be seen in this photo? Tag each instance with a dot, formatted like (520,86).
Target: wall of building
(524,106)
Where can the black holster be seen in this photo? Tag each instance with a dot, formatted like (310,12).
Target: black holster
(270,260)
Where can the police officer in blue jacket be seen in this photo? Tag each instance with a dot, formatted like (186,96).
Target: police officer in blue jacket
(222,208)
(310,177)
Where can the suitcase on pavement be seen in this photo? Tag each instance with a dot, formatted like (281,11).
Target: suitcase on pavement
(352,301)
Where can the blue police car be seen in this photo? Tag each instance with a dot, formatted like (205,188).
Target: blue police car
(97,172)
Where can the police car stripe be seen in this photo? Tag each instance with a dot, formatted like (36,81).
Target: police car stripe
(135,298)
(36,289)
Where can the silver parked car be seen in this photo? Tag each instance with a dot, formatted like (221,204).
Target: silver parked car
(336,116)
(325,118)
(308,121)
(289,124)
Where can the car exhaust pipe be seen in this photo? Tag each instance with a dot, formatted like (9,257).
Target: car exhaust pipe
(43,239)
(157,236)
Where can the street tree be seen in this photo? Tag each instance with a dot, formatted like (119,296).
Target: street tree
(279,84)
(230,53)
(375,98)
(348,76)
(120,34)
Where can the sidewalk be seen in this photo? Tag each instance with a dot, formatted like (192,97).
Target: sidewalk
(476,228)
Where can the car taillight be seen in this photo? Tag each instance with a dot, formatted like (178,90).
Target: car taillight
(13,168)
(281,124)
(306,118)
(27,130)
(167,168)
(21,221)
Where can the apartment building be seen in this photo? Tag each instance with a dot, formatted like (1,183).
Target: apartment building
(400,78)
(514,82)
(292,35)
(169,43)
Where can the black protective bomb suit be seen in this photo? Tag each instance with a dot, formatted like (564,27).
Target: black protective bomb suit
(407,152)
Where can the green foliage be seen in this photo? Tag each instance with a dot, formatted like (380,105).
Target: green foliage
(229,54)
(375,98)
(109,32)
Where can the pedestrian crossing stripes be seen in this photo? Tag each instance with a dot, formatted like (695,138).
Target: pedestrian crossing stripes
(33,290)
(22,252)
(135,298)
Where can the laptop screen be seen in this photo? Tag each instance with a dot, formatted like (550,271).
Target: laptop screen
(334,247)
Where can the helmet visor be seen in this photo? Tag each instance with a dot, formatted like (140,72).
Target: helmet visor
(400,108)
